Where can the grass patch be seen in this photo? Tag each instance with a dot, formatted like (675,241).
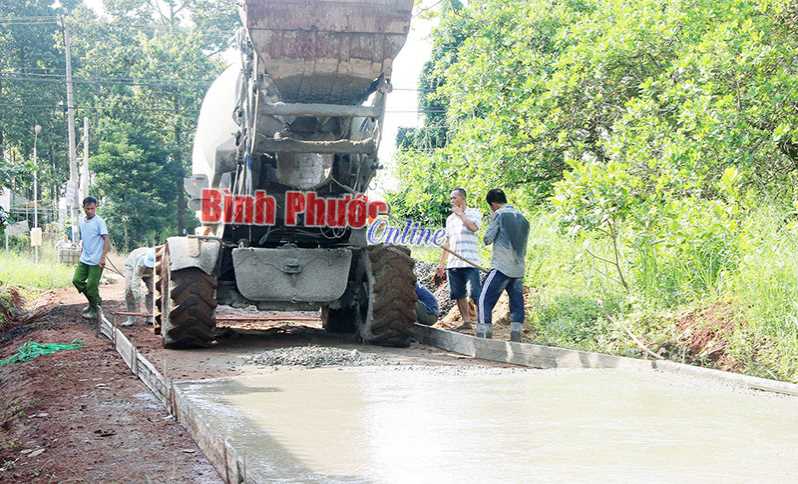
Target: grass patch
(20,270)
(573,321)
(733,305)
(431,255)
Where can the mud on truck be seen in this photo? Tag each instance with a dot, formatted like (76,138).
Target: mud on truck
(301,112)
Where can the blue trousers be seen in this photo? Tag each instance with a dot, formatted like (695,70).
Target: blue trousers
(494,284)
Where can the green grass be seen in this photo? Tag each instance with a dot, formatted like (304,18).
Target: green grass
(20,270)
(576,301)
(431,255)
(765,287)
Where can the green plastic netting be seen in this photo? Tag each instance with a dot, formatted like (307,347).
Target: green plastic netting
(32,350)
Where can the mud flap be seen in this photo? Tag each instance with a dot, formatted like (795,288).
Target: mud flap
(194,252)
(292,274)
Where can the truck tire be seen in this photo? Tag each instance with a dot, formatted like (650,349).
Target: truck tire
(188,307)
(388,312)
(159,251)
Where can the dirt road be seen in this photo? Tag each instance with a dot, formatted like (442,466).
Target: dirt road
(80,416)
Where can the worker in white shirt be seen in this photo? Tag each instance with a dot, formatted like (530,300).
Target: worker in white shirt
(462,273)
(139,270)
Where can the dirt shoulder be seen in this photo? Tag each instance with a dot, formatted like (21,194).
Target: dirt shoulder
(81,416)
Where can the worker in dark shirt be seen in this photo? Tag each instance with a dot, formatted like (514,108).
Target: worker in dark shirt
(508,232)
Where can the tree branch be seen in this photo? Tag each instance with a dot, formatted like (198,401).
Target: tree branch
(639,343)
(599,257)
(616,251)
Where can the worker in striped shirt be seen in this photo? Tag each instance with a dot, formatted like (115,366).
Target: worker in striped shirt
(461,237)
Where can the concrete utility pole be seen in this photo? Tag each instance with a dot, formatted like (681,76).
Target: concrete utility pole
(84,167)
(36,130)
(73,203)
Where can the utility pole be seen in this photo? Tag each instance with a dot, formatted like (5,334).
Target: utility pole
(84,168)
(36,231)
(73,186)
(36,130)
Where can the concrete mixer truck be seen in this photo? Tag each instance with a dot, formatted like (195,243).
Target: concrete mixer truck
(286,147)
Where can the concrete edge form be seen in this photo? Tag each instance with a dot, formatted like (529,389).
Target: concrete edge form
(752,382)
(548,357)
(219,452)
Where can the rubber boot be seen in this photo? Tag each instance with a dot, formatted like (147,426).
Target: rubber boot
(515,332)
(91,313)
(484,331)
(86,312)
(150,321)
(130,321)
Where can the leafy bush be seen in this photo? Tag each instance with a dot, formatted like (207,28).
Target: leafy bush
(655,148)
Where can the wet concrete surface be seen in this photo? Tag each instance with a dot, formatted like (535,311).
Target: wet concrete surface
(474,424)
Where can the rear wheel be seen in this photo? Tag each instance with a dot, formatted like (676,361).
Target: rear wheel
(386,309)
(159,251)
(188,306)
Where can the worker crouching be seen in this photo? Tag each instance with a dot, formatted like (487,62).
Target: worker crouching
(139,270)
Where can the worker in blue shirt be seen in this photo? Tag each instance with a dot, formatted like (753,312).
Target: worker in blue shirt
(95,246)
(427,308)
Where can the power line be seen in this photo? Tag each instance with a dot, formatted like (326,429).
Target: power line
(29,24)
(63,108)
(57,77)
(203,81)
(59,108)
(29,17)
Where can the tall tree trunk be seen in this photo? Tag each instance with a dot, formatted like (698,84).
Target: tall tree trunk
(181,171)
(181,202)
(127,239)
(53,181)
(2,135)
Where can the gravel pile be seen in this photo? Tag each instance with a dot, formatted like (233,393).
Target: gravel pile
(442,295)
(425,272)
(315,357)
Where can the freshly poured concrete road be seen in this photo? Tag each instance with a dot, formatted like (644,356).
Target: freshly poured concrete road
(451,424)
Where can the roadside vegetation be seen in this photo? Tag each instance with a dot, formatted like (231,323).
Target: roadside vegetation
(141,70)
(20,271)
(654,147)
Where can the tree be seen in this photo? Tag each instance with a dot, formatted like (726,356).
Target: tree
(424,196)
(133,183)
(31,91)
(158,59)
